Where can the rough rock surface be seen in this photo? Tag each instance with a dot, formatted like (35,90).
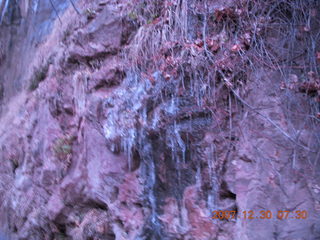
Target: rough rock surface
(90,151)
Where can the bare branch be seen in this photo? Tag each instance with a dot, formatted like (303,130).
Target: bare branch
(75,7)
(55,10)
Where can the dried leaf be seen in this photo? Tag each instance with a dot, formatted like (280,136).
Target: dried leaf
(167,76)
(311,76)
(283,86)
(213,45)
(293,78)
(236,48)
(306,29)
(247,38)
(199,43)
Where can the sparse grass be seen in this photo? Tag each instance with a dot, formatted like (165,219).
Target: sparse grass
(63,147)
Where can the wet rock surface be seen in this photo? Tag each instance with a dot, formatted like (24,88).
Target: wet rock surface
(93,148)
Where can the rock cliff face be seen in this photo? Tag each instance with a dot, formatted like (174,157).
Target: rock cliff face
(139,119)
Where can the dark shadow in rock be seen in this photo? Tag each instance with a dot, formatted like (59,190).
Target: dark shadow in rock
(225,193)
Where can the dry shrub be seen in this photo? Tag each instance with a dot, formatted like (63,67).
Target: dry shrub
(209,52)
(193,40)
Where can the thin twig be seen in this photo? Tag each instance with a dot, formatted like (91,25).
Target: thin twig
(55,10)
(272,122)
(266,118)
(75,7)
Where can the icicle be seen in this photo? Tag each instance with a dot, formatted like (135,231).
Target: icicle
(191,89)
(155,119)
(35,6)
(3,7)
(183,84)
(149,172)
(128,145)
(172,107)
(176,158)
(172,149)
(152,198)
(181,144)
(198,176)
(198,97)
(213,180)
(144,116)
